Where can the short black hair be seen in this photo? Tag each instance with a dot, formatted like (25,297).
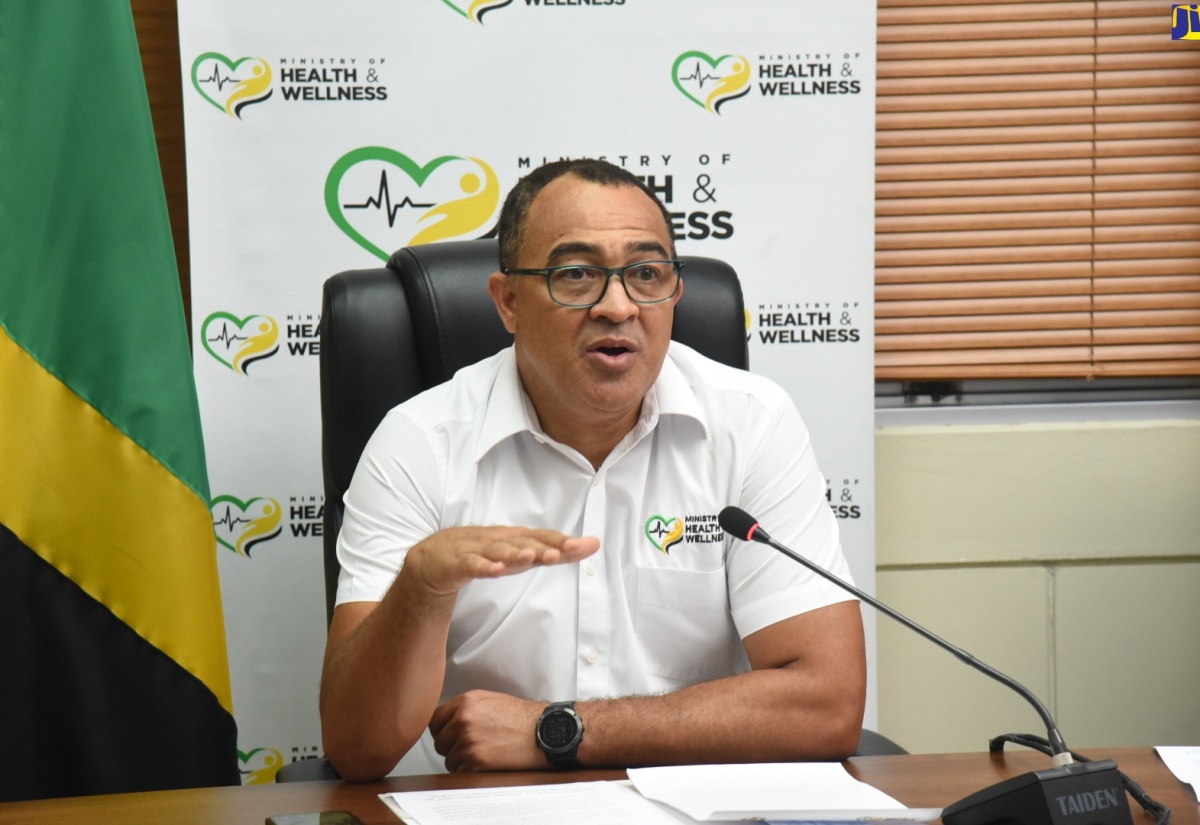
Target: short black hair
(513,215)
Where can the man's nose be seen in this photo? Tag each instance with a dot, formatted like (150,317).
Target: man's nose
(615,303)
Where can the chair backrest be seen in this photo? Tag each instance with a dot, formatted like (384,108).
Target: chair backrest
(390,333)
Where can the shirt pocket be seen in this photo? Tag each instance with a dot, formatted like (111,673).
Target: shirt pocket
(683,625)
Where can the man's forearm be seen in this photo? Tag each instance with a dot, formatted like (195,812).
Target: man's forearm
(760,716)
(803,700)
(383,680)
(764,715)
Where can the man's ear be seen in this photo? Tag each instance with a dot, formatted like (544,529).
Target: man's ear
(500,287)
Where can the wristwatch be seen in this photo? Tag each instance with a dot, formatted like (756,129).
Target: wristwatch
(559,732)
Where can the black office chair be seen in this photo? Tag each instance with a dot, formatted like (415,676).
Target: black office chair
(871,743)
(392,332)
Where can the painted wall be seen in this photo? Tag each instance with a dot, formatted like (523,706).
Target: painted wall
(1066,555)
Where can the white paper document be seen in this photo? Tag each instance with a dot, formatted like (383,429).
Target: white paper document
(1184,762)
(575,803)
(807,791)
(811,792)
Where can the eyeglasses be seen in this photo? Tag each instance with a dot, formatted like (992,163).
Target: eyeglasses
(577,286)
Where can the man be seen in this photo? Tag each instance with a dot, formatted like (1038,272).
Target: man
(602,438)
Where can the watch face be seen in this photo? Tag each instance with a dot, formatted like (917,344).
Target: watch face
(558,729)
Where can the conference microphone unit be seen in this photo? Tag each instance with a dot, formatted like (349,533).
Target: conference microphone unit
(1070,793)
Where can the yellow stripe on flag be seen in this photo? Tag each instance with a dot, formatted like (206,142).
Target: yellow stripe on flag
(105,513)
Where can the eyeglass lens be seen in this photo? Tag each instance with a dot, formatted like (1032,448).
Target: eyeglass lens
(647,282)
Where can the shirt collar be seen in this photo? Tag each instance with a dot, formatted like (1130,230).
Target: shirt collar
(674,394)
(506,412)
(509,410)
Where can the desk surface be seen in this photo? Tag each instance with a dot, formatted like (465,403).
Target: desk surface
(919,781)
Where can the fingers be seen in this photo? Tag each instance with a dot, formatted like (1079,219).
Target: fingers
(572,548)
(450,558)
(443,739)
(451,732)
(523,549)
(483,730)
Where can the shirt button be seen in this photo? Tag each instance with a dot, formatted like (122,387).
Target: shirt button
(539,439)
(591,568)
(592,657)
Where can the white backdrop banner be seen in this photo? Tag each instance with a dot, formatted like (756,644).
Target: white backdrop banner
(322,137)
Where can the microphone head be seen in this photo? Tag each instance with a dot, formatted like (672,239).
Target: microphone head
(738,523)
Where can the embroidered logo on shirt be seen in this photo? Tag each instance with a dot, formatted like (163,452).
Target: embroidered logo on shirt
(664,533)
(703,529)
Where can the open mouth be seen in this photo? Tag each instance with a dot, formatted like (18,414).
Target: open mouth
(614,354)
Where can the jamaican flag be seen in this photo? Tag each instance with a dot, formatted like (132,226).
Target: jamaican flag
(113,669)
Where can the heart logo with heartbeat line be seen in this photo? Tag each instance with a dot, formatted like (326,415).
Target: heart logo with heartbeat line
(384,200)
(711,82)
(239,342)
(242,525)
(476,9)
(259,766)
(664,533)
(231,85)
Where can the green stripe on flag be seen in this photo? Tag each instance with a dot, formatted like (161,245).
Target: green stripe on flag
(88,279)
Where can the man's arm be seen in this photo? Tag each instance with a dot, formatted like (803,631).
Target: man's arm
(385,662)
(803,700)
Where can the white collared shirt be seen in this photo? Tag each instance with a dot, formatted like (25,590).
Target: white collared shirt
(668,597)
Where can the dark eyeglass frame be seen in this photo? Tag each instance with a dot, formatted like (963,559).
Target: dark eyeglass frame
(611,272)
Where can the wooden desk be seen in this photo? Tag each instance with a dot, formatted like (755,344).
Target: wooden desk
(920,781)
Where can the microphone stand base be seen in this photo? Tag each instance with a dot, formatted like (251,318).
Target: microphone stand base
(1082,793)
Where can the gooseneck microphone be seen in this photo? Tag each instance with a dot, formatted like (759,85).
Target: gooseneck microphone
(1061,795)
(740,524)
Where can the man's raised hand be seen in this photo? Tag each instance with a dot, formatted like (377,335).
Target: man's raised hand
(443,563)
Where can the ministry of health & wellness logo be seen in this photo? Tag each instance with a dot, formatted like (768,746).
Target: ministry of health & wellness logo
(664,532)
(384,200)
(231,85)
(242,525)
(476,9)
(239,342)
(711,82)
(258,766)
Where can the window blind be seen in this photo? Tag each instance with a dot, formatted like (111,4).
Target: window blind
(1037,191)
